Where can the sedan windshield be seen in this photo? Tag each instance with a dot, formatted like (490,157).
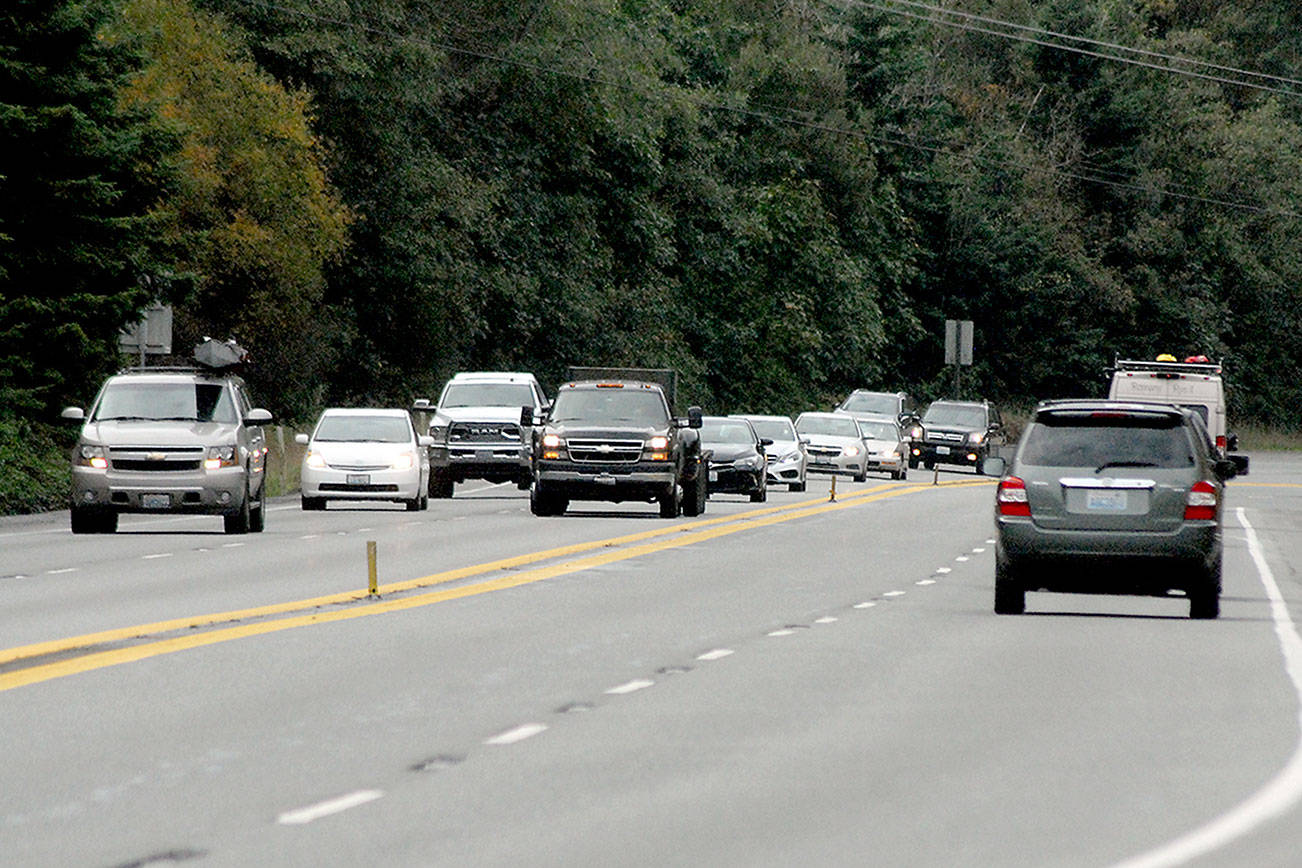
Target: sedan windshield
(181,401)
(775,431)
(880,430)
(364,429)
(831,425)
(597,406)
(487,395)
(1105,444)
(726,432)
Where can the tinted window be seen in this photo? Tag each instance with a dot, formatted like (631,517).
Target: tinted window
(640,406)
(487,395)
(367,429)
(181,401)
(955,414)
(864,403)
(1095,443)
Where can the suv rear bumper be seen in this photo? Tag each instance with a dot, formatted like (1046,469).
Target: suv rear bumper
(211,492)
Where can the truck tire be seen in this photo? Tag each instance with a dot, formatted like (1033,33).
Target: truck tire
(240,522)
(669,502)
(694,503)
(544,503)
(93,521)
(440,484)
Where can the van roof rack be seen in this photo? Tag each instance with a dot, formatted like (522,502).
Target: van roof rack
(1169,367)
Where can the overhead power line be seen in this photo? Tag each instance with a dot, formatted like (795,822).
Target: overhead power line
(787,117)
(957,20)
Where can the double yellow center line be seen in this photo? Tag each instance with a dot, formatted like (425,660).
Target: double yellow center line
(31,664)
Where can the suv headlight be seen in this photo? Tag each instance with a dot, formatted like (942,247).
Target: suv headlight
(89,455)
(221,456)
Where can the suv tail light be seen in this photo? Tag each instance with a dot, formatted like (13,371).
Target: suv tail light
(1200,502)
(1011,497)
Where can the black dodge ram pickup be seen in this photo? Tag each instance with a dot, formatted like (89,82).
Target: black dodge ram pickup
(614,441)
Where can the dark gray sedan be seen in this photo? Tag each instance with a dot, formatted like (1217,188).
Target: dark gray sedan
(1110,497)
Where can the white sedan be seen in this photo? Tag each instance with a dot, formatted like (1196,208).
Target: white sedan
(365,454)
(834,444)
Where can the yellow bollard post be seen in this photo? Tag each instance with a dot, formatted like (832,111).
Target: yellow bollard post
(370,568)
(935,473)
(832,497)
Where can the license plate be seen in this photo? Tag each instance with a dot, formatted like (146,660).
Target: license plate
(942,450)
(817,462)
(714,476)
(155,501)
(1105,501)
(359,479)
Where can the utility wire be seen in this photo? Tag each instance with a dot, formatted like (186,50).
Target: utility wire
(973,28)
(787,118)
(1086,41)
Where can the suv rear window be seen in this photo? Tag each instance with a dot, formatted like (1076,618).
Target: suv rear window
(183,402)
(1104,440)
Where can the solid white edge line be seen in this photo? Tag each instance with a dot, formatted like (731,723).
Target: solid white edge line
(520,733)
(1284,790)
(301,816)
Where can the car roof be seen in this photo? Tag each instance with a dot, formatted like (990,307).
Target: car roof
(163,375)
(492,376)
(757,418)
(1103,405)
(363,411)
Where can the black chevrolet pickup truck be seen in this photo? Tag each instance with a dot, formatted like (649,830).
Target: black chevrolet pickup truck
(617,440)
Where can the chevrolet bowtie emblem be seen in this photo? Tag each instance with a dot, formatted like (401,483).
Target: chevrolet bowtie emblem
(157,456)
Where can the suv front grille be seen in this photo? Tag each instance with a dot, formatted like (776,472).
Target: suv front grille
(162,460)
(945,436)
(606,451)
(484,432)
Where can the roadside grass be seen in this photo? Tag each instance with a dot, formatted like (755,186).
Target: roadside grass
(1260,438)
(35,475)
(284,461)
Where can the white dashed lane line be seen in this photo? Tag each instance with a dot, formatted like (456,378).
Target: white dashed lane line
(301,816)
(864,605)
(826,619)
(925,582)
(232,545)
(961,559)
(57,572)
(156,556)
(630,687)
(520,733)
(716,654)
(943,571)
(894,594)
(782,632)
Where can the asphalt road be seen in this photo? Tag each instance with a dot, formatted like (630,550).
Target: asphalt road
(792,682)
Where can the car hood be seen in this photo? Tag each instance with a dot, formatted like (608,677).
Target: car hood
(151,433)
(875,445)
(447,415)
(730,451)
(354,453)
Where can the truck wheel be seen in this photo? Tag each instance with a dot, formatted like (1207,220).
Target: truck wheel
(92,521)
(669,503)
(524,481)
(694,504)
(544,503)
(440,484)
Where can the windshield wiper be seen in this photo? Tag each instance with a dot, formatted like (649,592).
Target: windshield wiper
(1108,464)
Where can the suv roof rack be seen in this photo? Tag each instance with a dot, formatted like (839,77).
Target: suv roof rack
(1170,367)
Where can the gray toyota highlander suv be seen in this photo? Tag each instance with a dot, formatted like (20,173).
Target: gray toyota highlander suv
(169,440)
(1110,497)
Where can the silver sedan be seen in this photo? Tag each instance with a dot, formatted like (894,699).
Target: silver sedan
(834,443)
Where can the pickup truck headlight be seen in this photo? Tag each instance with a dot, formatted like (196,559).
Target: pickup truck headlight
(976,437)
(221,456)
(90,455)
(439,433)
(551,444)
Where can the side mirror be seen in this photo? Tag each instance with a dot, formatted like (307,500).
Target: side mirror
(1240,463)
(424,440)
(1225,469)
(694,415)
(994,466)
(73,414)
(766,441)
(1231,442)
(258,416)
(420,404)
(301,439)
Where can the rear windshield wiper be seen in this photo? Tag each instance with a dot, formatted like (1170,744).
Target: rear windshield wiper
(1105,466)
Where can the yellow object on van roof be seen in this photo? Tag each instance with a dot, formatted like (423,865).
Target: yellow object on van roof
(1165,357)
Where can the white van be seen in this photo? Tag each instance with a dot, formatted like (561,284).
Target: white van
(1192,384)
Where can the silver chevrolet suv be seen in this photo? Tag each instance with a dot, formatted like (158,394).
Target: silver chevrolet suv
(170,440)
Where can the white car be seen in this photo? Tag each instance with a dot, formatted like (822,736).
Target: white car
(365,454)
(887,447)
(834,444)
(787,459)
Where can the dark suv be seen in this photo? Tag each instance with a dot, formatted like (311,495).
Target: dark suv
(964,433)
(1110,497)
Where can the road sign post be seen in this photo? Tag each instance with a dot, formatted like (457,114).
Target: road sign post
(958,349)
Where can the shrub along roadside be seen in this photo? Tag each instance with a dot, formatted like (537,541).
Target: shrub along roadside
(34,472)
